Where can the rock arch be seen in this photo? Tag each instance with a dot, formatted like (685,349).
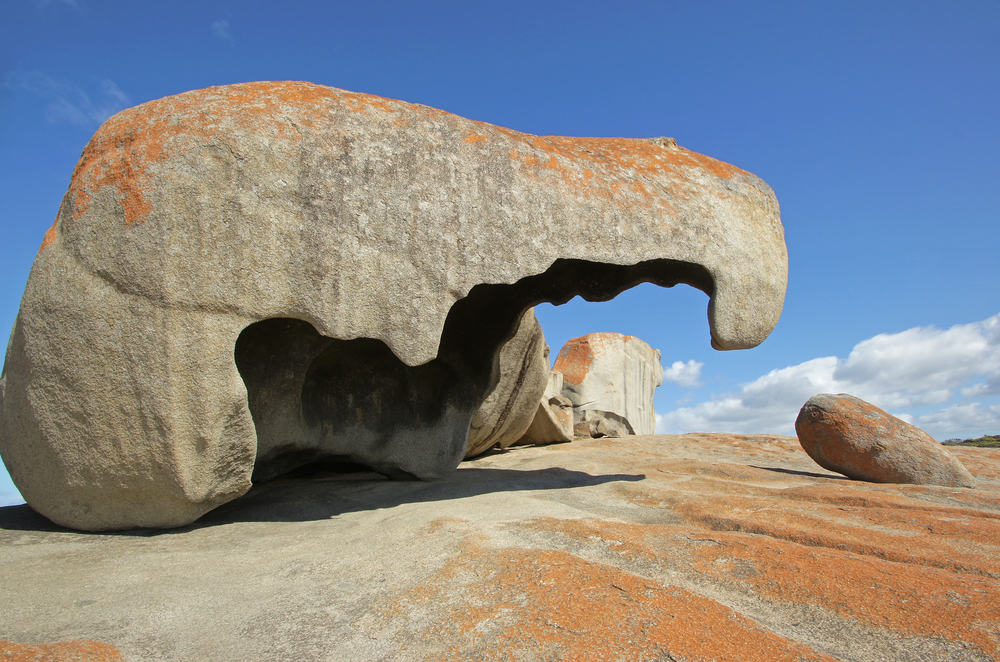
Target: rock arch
(392,229)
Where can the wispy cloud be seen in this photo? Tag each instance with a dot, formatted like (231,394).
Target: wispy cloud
(45,3)
(917,368)
(684,374)
(66,102)
(221,30)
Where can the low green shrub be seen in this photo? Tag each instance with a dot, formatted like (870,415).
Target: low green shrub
(986,441)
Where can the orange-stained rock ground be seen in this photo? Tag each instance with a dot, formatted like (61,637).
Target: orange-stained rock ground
(66,651)
(693,547)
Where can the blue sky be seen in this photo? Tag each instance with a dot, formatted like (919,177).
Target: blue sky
(875,123)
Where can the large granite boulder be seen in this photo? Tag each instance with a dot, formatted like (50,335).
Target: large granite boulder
(247,278)
(855,438)
(512,405)
(611,372)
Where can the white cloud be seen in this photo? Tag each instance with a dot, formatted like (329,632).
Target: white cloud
(918,367)
(10,498)
(68,102)
(220,29)
(684,374)
(921,365)
(959,419)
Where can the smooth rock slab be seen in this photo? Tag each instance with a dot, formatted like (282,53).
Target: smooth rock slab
(696,547)
(850,436)
(245,279)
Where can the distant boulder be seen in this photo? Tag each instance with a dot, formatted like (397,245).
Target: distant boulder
(850,436)
(553,423)
(596,424)
(611,372)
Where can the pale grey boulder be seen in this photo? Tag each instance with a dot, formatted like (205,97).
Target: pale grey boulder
(555,385)
(552,424)
(611,372)
(845,434)
(595,423)
(553,419)
(511,406)
(246,278)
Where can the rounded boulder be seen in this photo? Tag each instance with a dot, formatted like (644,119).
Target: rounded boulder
(847,435)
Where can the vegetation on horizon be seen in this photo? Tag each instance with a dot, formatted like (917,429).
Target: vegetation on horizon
(986,441)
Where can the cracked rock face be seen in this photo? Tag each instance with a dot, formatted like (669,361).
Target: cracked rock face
(247,278)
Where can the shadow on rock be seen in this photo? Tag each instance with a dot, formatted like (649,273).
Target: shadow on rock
(323,495)
(23,518)
(792,472)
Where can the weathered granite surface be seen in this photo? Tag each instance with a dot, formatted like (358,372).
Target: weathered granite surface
(611,372)
(692,547)
(365,257)
(853,437)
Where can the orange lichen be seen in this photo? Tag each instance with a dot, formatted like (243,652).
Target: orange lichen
(67,651)
(513,603)
(883,556)
(50,236)
(878,533)
(574,361)
(127,148)
(577,355)
(983,462)
(626,164)
(905,598)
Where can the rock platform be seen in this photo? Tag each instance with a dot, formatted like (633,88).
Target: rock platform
(692,547)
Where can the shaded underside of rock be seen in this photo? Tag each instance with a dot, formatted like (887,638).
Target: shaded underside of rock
(512,405)
(850,436)
(611,372)
(364,257)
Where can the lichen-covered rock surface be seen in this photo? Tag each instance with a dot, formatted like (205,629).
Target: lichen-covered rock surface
(695,547)
(853,437)
(63,651)
(244,279)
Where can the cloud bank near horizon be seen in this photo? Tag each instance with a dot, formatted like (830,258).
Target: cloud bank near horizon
(914,374)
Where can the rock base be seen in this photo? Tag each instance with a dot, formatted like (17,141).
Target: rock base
(693,547)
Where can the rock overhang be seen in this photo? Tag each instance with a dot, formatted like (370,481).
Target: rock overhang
(580,198)
(193,218)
